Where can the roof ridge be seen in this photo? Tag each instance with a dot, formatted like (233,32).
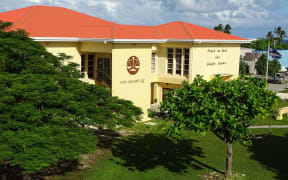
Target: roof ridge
(157,32)
(26,14)
(187,31)
(113,32)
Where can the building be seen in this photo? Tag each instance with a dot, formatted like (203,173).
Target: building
(137,63)
(248,56)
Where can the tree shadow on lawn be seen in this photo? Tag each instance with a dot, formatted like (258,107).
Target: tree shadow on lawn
(272,152)
(138,152)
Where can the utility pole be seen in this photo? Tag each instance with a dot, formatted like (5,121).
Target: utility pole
(267,60)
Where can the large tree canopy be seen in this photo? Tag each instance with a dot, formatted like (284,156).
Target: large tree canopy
(45,107)
(226,108)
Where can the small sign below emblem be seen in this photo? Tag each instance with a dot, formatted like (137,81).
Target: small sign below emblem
(133,65)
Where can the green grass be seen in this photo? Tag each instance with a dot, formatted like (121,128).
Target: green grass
(151,155)
(284,91)
(282,103)
(270,121)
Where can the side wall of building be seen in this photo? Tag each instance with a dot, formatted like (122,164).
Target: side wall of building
(211,59)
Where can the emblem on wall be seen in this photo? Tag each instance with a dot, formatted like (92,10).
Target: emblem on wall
(133,65)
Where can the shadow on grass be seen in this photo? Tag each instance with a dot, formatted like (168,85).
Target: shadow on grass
(272,152)
(149,151)
(14,173)
(106,137)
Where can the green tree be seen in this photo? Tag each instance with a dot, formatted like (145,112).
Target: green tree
(226,108)
(274,67)
(243,68)
(45,107)
(219,28)
(280,33)
(227,29)
(261,65)
(270,36)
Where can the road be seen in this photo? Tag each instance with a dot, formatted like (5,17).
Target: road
(277,87)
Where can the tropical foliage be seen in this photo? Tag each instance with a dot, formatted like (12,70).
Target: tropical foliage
(226,108)
(243,68)
(226,29)
(274,37)
(274,66)
(45,107)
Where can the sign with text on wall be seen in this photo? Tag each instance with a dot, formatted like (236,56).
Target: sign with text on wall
(217,53)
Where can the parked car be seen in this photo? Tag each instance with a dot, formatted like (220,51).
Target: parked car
(279,78)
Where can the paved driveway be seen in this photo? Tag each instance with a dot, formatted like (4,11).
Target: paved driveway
(277,87)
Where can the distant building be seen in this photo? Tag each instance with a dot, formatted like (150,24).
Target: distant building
(249,57)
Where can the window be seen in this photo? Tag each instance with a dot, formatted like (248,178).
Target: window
(186,62)
(91,66)
(170,61)
(153,63)
(82,63)
(178,61)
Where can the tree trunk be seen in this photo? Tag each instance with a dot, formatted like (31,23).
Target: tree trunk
(229,160)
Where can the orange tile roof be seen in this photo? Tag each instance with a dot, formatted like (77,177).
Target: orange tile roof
(45,21)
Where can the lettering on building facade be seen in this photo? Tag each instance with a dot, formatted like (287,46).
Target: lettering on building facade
(217,57)
(132,81)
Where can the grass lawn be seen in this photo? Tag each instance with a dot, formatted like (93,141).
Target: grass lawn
(269,120)
(151,155)
(284,91)
(266,121)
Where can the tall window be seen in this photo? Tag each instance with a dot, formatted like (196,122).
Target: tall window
(186,62)
(170,61)
(178,61)
(91,66)
(153,63)
(82,64)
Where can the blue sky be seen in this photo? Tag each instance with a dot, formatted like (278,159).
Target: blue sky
(248,18)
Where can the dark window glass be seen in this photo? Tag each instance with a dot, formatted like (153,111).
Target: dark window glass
(91,66)
(186,62)
(82,64)
(170,61)
(178,61)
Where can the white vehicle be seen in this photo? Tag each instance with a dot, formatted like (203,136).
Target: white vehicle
(279,78)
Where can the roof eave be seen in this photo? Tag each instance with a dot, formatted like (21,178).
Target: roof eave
(198,41)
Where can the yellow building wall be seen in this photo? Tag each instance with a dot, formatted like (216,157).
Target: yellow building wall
(76,49)
(96,47)
(205,59)
(137,87)
(70,49)
(211,59)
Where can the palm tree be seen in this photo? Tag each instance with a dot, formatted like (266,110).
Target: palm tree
(282,35)
(227,29)
(270,36)
(219,28)
(278,30)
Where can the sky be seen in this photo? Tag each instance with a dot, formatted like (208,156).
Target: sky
(248,18)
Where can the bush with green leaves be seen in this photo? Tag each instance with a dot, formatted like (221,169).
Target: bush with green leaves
(226,108)
(243,68)
(45,108)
